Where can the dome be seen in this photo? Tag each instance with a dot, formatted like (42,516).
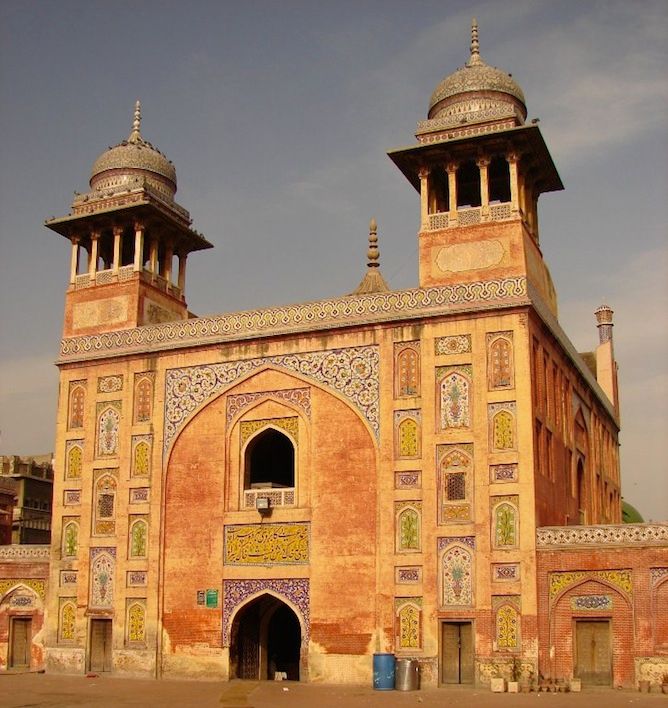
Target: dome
(476,88)
(132,160)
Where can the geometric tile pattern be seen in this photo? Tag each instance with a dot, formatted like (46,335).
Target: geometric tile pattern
(621,579)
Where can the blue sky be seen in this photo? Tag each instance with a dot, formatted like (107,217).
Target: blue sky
(278,116)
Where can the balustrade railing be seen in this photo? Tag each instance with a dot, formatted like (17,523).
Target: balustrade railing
(277,497)
(468,216)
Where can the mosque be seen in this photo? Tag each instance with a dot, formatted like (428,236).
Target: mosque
(430,472)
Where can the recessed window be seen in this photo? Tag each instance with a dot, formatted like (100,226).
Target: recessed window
(270,461)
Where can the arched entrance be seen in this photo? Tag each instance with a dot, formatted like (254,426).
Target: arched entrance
(265,638)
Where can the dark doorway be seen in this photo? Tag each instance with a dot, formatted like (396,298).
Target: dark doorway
(100,645)
(265,639)
(456,652)
(593,660)
(270,460)
(21,636)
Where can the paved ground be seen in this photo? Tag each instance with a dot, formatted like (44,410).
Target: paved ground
(45,691)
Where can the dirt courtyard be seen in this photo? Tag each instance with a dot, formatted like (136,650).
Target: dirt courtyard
(30,690)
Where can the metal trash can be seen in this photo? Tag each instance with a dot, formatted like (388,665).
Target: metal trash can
(383,672)
(407,675)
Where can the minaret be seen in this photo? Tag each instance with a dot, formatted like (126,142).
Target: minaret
(373,281)
(130,229)
(606,366)
(479,170)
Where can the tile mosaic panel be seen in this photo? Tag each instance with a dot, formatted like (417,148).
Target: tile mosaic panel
(67,619)
(267,544)
(408,613)
(621,579)
(249,427)
(102,570)
(352,372)
(135,578)
(295,591)
(143,403)
(406,369)
(76,405)
(502,434)
(135,622)
(137,537)
(110,384)
(411,479)
(455,344)
(408,520)
(408,304)
(408,575)
(37,586)
(500,474)
(108,425)
(592,603)
(457,574)
(603,535)
(505,572)
(71,497)
(141,455)
(505,521)
(70,537)
(454,396)
(73,459)
(507,629)
(68,577)
(139,495)
(500,369)
(454,465)
(658,574)
(408,433)
(104,512)
(297,397)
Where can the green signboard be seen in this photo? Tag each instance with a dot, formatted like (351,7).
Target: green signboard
(212,598)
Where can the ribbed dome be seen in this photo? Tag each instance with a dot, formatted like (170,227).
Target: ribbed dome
(476,87)
(133,159)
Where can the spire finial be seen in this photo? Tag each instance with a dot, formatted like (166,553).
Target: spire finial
(135,134)
(475,44)
(373,253)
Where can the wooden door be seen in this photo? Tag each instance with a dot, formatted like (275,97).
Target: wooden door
(100,645)
(593,659)
(21,634)
(456,652)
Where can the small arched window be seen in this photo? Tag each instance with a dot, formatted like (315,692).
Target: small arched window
(499,180)
(468,185)
(269,461)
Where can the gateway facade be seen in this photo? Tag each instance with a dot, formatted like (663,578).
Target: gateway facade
(296,488)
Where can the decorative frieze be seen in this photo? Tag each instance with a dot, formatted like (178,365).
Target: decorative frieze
(603,535)
(591,603)
(505,572)
(351,372)
(139,495)
(350,310)
(71,497)
(25,552)
(411,479)
(499,474)
(68,578)
(408,575)
(135,578)
(37,586)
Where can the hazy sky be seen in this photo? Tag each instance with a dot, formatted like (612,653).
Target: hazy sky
(278,115)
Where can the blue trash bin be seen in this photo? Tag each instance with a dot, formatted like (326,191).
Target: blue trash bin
(383,672)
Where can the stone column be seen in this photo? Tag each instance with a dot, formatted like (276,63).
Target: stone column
(153,257)
(74,259)
(118,242)
(139,248)
(513,159)
(423,174)
(183,257)
(483,165)
(92,263)
(452,191)
(169,256)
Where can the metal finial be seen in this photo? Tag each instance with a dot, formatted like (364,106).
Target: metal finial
(135,134)
(475,44)
(373,253)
